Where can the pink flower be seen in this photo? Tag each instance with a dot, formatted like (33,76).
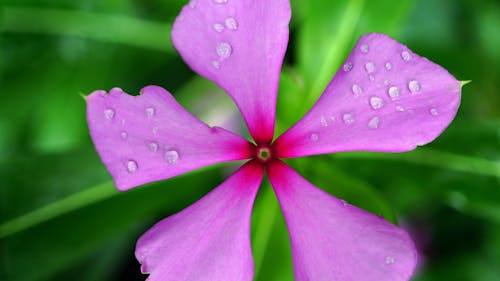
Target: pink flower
(384,98)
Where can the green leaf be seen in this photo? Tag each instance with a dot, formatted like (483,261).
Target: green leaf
(67,231)
(110,28)
(325,174)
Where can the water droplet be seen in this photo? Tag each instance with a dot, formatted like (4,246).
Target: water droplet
(109,113)
(155,130)
(323,121)
(348,118)
(356,89)
(370,67)
(386,82)
(405,55)
(314,137)
(231,23)
(171,156)
(123,135)
(414,86)
(373,123)
(390,260)
(223,49)
(132,166)
(193,3)
(218,27)
(393,92)
(150,111)
(216,64)
(388,66)
(347,66)
(153,146)
(400,108)
(376,102)
(434,112)
(364,48)
(343,202)
(220,1)
(372,78)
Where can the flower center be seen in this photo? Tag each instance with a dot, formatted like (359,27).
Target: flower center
(263,153)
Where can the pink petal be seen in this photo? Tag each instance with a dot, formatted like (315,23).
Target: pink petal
(332,240)
(210,240)
(384,98)
(151,137)
(239,45)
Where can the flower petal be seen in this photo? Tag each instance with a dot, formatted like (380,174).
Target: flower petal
(240,45)
(332,240)
(384,98)
(151,137)
(210,240)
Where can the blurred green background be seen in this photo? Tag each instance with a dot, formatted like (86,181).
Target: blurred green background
(62,219)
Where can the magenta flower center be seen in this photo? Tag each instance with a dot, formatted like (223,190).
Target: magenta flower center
(263,153)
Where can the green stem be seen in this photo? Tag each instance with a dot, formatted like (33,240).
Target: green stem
(339,41)
(110,28)
(265,223)
(439,159)
(73,202)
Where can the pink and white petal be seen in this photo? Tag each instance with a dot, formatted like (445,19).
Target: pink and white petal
(332,240)
(210,240)
(151,137)
(240,45)
(384,98)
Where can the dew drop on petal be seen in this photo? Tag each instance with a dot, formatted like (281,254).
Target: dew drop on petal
(231,23)
(153,146)
(405,55)
(433,112)
(347,66)
(150,111)
(132,166)
(216,64)
(224,50)
(155,130)
(414,86)
(393,92)
(193,3)
(373,123)
(343,202)
(348,118)
(364,48)
(376,102)
(171,156)
(356,89)
(314,137)
(388,66)
(390,260)
(220,1)
(218,27)
(370,67)
(109,113)
(400,108)
(323,121)
(123,135)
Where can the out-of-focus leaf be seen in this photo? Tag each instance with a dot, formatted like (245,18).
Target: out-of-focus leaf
(138,33)
(270,240)
(70,237)
(291,98)
(326,175)
(329,29)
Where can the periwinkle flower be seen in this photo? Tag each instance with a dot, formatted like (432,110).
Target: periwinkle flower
(384,98)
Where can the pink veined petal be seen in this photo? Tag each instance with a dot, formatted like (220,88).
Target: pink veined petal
(384,98)
(210,240)
(151,137)
(332,240)
(240,45)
